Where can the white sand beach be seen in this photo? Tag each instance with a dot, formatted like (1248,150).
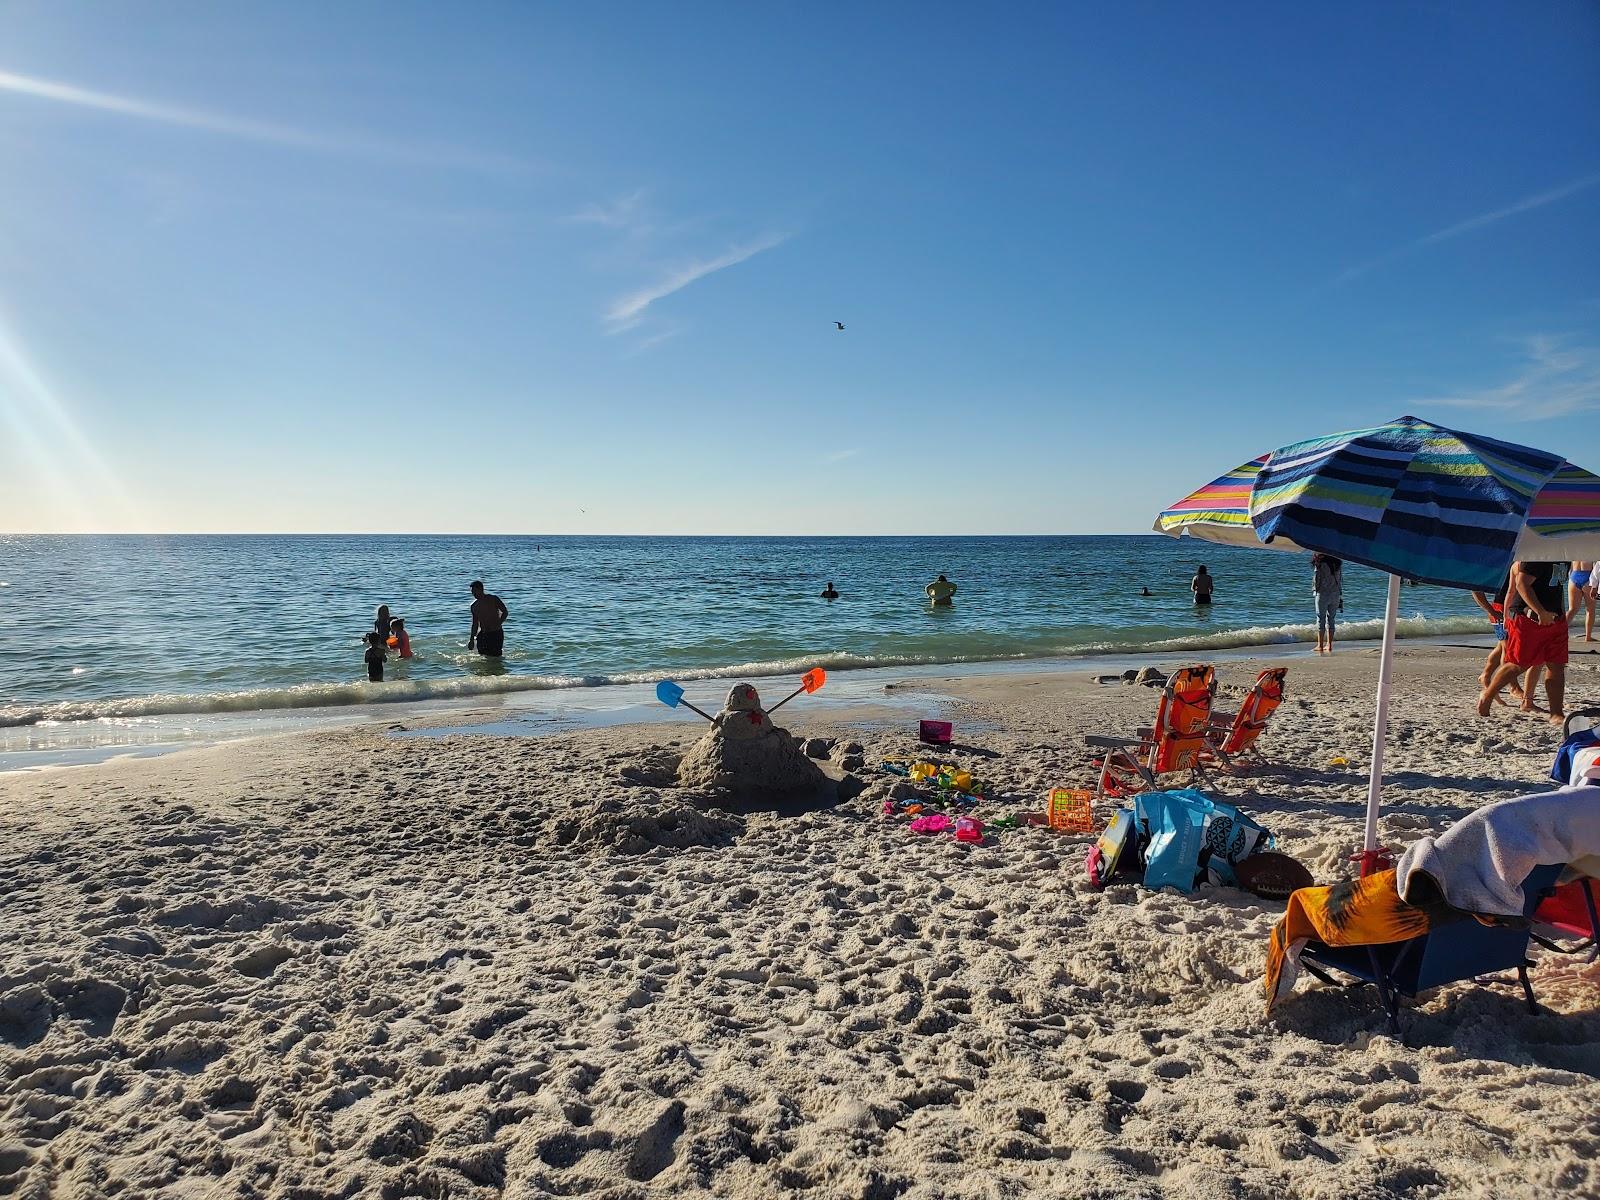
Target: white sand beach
(346,963)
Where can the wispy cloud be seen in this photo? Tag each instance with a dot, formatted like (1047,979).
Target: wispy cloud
(268,132)
(627,212)
(626,312)
(653,341)
(840,455)
(1471,225)
(1557,379)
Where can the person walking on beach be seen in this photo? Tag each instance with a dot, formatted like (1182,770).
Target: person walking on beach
(489,615)
(1581,590)
(1536,636)
(1200,585)
(940,591)
(1494,607)
(1327,584)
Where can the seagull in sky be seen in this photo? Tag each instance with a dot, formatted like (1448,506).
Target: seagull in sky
(838,325)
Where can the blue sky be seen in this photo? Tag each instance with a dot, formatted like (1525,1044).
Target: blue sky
(574,268)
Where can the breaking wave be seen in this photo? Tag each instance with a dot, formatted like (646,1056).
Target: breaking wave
(330,695)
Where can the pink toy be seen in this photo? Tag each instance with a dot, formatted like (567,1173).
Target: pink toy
(935,733)
(932,823)
(969,829)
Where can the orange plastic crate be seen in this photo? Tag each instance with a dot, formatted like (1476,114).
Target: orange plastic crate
(1070,810)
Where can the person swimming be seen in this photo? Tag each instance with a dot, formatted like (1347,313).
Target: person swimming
(829,593)
(1144,591)
(940,591)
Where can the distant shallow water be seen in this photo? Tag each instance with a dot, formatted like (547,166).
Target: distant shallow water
(121,628)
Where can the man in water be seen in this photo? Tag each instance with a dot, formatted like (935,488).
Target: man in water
(489,615)
(1200,585)
(830,593)
(940,591)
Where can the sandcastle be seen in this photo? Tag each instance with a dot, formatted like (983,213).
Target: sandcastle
(746,754)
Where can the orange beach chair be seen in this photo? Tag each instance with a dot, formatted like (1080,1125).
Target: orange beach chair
(1178,741)
(1233,737)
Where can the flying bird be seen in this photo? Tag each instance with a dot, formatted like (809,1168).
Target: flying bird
(838,325)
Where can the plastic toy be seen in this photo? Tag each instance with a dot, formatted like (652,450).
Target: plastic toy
(1071,810)
(934,823)
(969,829)
(935,733)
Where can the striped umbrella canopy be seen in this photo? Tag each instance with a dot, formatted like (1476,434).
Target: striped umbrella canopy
(1467,503)
(1410,498)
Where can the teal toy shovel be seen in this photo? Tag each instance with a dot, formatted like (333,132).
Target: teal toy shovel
(671,695)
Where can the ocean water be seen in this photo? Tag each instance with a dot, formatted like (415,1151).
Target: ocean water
(112,627)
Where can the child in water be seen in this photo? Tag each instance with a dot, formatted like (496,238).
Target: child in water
(399,639)
(375,656)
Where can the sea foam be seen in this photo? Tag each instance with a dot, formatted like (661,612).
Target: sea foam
(332,695)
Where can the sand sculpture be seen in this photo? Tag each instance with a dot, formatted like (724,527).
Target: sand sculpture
(745,753)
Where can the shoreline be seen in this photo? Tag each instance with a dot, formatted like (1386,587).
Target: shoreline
(542,711)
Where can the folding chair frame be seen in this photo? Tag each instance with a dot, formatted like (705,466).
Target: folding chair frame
(1386,976)
(1590,943)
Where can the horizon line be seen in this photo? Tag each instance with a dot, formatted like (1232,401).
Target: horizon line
(396,533)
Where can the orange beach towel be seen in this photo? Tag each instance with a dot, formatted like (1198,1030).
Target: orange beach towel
(1358,912)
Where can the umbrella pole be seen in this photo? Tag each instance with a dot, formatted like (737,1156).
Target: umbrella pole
(1372,857)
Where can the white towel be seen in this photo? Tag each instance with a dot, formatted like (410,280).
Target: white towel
(1479,863)
(1585,765)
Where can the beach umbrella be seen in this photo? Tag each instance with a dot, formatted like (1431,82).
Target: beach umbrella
(1409,498)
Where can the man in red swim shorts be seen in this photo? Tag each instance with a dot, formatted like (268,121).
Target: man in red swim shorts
(1536,635)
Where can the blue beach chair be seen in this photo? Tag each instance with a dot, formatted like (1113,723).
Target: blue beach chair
(1462,949)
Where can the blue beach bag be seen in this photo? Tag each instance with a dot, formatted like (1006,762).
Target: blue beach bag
(1193,839)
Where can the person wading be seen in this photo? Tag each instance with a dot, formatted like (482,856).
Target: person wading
(489,615)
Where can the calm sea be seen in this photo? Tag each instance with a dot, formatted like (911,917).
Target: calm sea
(130,626)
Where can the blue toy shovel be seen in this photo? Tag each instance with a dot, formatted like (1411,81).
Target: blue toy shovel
(671,695)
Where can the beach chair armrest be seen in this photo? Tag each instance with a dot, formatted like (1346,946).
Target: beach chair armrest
(1110,743)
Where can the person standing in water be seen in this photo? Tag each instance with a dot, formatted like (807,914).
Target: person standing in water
(399,640)
(382,623)
(1200,585)
(940,591)
(1581,593)
(374,656)
(1327,585)
(489,615)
